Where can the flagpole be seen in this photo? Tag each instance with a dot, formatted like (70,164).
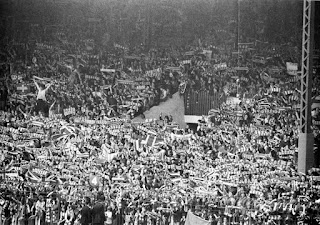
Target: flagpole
(238,32)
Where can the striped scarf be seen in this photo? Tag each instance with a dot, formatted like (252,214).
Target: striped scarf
(293,98)
(48,211)
(186,62)
(275,89)
(201,63)
(289,92)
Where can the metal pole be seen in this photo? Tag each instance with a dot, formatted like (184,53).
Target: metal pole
(238,32)
(306,137)
(238,36)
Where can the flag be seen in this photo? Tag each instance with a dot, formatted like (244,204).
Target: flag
(32,177)
(23,89)
(292,68)
(152,140)
(195,220)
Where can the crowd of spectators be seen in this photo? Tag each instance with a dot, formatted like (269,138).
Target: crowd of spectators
(69,149)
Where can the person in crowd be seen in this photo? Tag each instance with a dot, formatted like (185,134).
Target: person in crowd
(86,216)
(40,210)
(3,97)
(42,104)
(69,215)
(98,211)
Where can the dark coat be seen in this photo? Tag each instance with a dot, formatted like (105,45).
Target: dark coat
(86,217)
(98,216)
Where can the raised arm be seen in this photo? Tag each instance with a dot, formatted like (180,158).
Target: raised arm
(48,87)
(34,81)
(52,105)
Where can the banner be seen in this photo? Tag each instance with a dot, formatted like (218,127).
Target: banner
(69,111)
(189,53)
(233,101)
(195,220)
(173,68)
(108,70)
(241,68)
(292,68)
(154,73)
(181,136)
(220,66)
(128,82)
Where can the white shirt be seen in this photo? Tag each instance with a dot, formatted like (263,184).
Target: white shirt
(42,95)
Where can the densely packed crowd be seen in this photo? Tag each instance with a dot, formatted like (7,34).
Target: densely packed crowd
(68,143)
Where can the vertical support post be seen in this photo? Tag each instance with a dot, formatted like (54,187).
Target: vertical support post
(146,34)
(306,138)
(238,28)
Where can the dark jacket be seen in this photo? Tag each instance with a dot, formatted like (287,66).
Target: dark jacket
(98,216)
(85,215)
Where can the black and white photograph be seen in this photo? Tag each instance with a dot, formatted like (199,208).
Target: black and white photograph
(159,112)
